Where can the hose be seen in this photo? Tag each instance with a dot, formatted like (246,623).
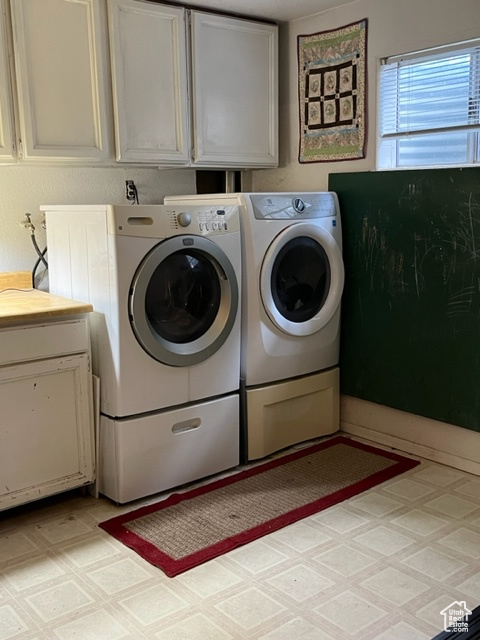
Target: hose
(36,265)
(40,254)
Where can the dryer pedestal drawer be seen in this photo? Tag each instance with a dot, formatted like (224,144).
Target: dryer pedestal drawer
(285,413)
(144,455)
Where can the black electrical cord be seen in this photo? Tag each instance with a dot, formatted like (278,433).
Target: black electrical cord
(134,189)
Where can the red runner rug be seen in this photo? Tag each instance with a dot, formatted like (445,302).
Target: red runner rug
(187,529)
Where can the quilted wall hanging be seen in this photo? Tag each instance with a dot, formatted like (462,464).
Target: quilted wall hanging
(332,94)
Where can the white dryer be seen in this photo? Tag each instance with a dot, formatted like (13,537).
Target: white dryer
(165,286)
(293,282)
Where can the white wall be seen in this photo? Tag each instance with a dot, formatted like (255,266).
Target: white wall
(25,188)
(394,26)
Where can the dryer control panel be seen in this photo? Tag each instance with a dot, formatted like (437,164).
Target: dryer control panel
(294,206)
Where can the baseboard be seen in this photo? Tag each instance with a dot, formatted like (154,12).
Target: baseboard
(416,435)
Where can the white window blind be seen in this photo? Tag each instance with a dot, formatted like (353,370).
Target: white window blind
(429,108)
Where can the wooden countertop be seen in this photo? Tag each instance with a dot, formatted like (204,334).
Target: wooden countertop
(22,305)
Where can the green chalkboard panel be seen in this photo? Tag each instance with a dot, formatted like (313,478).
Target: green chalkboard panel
(411,305)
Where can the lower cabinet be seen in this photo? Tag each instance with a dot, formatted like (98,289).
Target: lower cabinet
(46,419)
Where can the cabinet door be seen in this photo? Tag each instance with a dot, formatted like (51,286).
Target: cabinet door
(149,69)
(60,79)
(235,91)
(46,430)
(6,120)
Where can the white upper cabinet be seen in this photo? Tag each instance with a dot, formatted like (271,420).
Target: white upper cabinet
(229,116)
(6,109)
(235,91)
(189,88)
(149,74)
(59,50)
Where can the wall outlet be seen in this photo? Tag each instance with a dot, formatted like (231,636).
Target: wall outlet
(130,190)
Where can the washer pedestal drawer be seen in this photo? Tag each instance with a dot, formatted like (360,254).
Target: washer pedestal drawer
(140,456)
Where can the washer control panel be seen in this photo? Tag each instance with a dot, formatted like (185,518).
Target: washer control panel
(164,221)
(294,206)
(204,220)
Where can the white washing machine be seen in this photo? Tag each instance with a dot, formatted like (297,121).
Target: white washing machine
(293,279)
(165,286)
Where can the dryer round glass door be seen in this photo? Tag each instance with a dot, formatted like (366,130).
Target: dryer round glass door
(301,280)
(183,300)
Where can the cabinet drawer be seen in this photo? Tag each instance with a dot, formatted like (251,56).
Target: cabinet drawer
(33,342)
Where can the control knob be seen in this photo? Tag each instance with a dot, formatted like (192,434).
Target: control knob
(184,219)
(298,205)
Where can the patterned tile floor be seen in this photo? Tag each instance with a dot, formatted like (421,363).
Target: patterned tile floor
(380,566)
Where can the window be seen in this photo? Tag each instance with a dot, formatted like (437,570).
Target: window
(429,108)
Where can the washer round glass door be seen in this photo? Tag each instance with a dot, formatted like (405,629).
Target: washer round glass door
(183,300)
(301,280)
